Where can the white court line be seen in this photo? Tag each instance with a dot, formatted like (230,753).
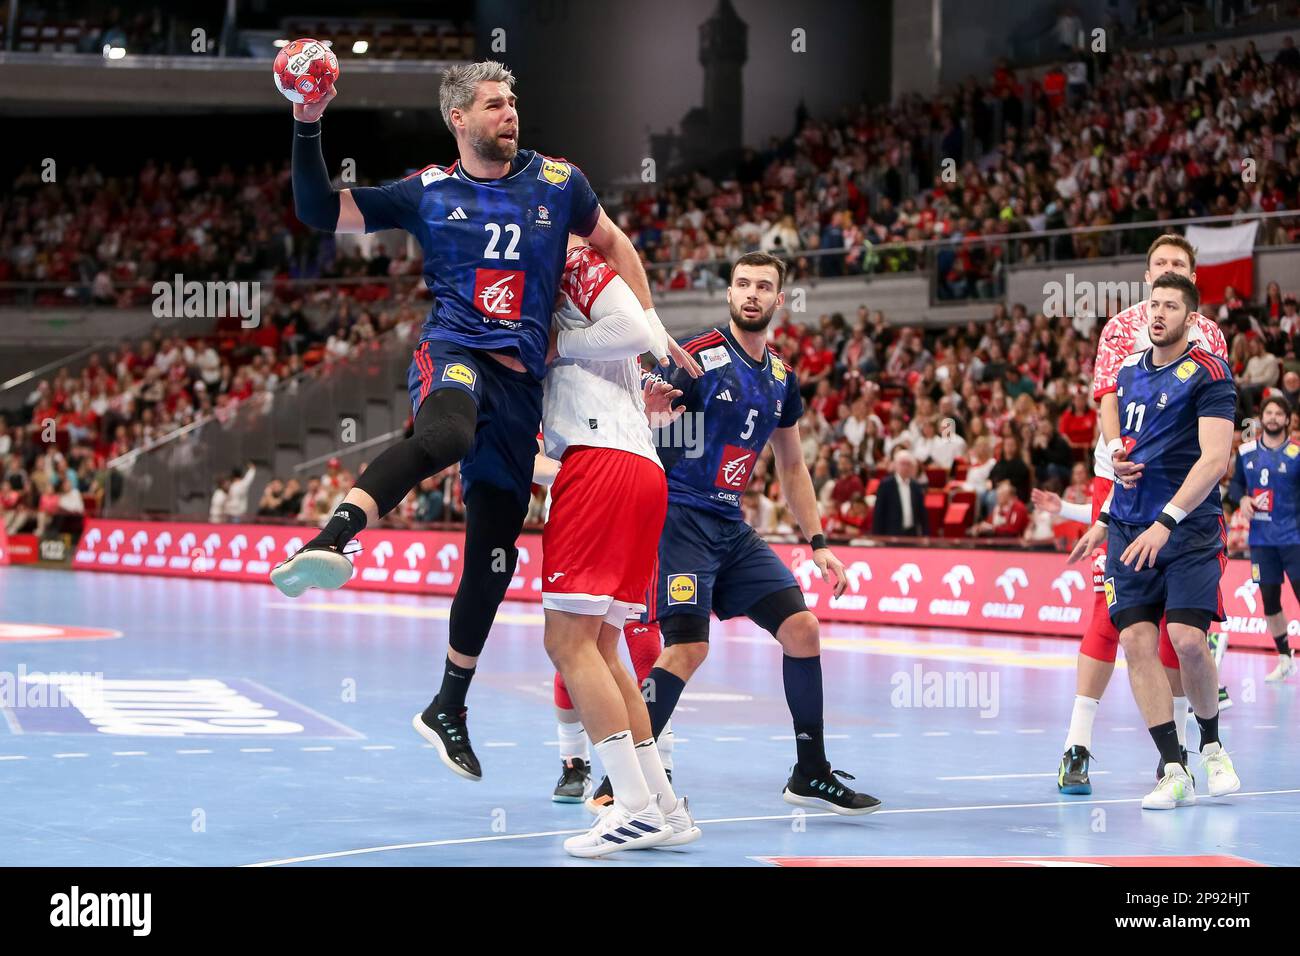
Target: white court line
(130,753)
(936,733)
(379,747)
(1012,776)
(783,817)
(60,756)
(988,732)
(1266,726)
(315,750)
(500,743)
(1123,730)
(886,735)
(1031,730)
(13,757)
(194,751)
(255,750)
(727,740)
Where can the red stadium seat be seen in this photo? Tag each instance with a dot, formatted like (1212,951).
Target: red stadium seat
(936,476)
(956,519)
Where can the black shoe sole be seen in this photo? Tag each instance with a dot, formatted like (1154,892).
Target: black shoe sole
(425,731)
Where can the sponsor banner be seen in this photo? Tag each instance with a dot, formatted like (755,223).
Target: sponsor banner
(1018,592)
(19,549)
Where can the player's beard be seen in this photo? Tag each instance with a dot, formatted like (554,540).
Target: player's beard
(492,149)
(1274,431)
(752,325)
(1170,336)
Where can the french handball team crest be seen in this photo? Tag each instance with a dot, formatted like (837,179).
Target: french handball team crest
(543,216)
(555,173)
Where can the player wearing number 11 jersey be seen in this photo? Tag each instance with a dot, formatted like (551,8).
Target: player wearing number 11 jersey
(1166,548)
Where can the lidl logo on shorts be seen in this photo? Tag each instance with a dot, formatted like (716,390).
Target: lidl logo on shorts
(1292,450)
(1254,572)
(555,173)
(459,373)
(1186,370)
(778,369)
(681,589)
(1110,592)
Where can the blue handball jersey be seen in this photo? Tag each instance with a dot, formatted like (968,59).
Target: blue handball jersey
(1272,477)
(1159,413)
(493,249)
(731,412)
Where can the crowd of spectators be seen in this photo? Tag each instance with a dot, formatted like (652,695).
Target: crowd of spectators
(1132,138)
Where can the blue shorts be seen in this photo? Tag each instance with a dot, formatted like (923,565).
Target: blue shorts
(1186,577)
(509,411)
(1269,562)
(710,563)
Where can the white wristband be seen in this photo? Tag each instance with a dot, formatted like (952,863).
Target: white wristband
(1175,512)
(1114,445)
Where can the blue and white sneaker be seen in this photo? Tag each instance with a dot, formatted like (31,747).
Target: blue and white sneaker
(824,792)
(618,828)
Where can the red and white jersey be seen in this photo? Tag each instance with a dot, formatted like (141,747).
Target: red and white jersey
(1125,335)
(591,402)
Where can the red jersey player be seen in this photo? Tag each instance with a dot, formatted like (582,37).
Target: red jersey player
(608,503)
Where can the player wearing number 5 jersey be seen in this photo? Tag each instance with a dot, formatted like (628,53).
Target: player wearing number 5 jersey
(1266,486)
(710,560)
(1166,548)
(493,227)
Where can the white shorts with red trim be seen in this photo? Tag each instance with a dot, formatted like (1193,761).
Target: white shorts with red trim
(601,539)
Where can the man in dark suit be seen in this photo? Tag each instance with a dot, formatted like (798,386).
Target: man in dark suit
(900,501)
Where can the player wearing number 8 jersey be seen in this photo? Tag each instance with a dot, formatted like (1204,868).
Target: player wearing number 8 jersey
(1266,485)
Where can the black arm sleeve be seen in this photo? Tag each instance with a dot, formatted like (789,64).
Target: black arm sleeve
(314,200)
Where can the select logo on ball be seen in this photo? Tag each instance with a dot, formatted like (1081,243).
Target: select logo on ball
(681,589)
(305,71)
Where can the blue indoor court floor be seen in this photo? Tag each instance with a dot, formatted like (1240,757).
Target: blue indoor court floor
(958,733)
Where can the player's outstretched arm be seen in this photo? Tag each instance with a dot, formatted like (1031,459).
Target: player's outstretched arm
(612,243)
(315,201)
(797,486)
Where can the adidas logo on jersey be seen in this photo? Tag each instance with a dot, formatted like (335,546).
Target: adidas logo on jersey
(725,395)
(457,213)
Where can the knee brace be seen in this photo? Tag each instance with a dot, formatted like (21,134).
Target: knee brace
(444,434)
(1272,597)
(493,520)
(684,629)
(771,611)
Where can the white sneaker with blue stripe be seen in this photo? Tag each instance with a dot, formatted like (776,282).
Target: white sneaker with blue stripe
(618,828)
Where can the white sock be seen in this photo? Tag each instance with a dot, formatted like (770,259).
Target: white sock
(1081,718)
(1181,718)
(653,770)
(573,740)
(619,758)
(665,744)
